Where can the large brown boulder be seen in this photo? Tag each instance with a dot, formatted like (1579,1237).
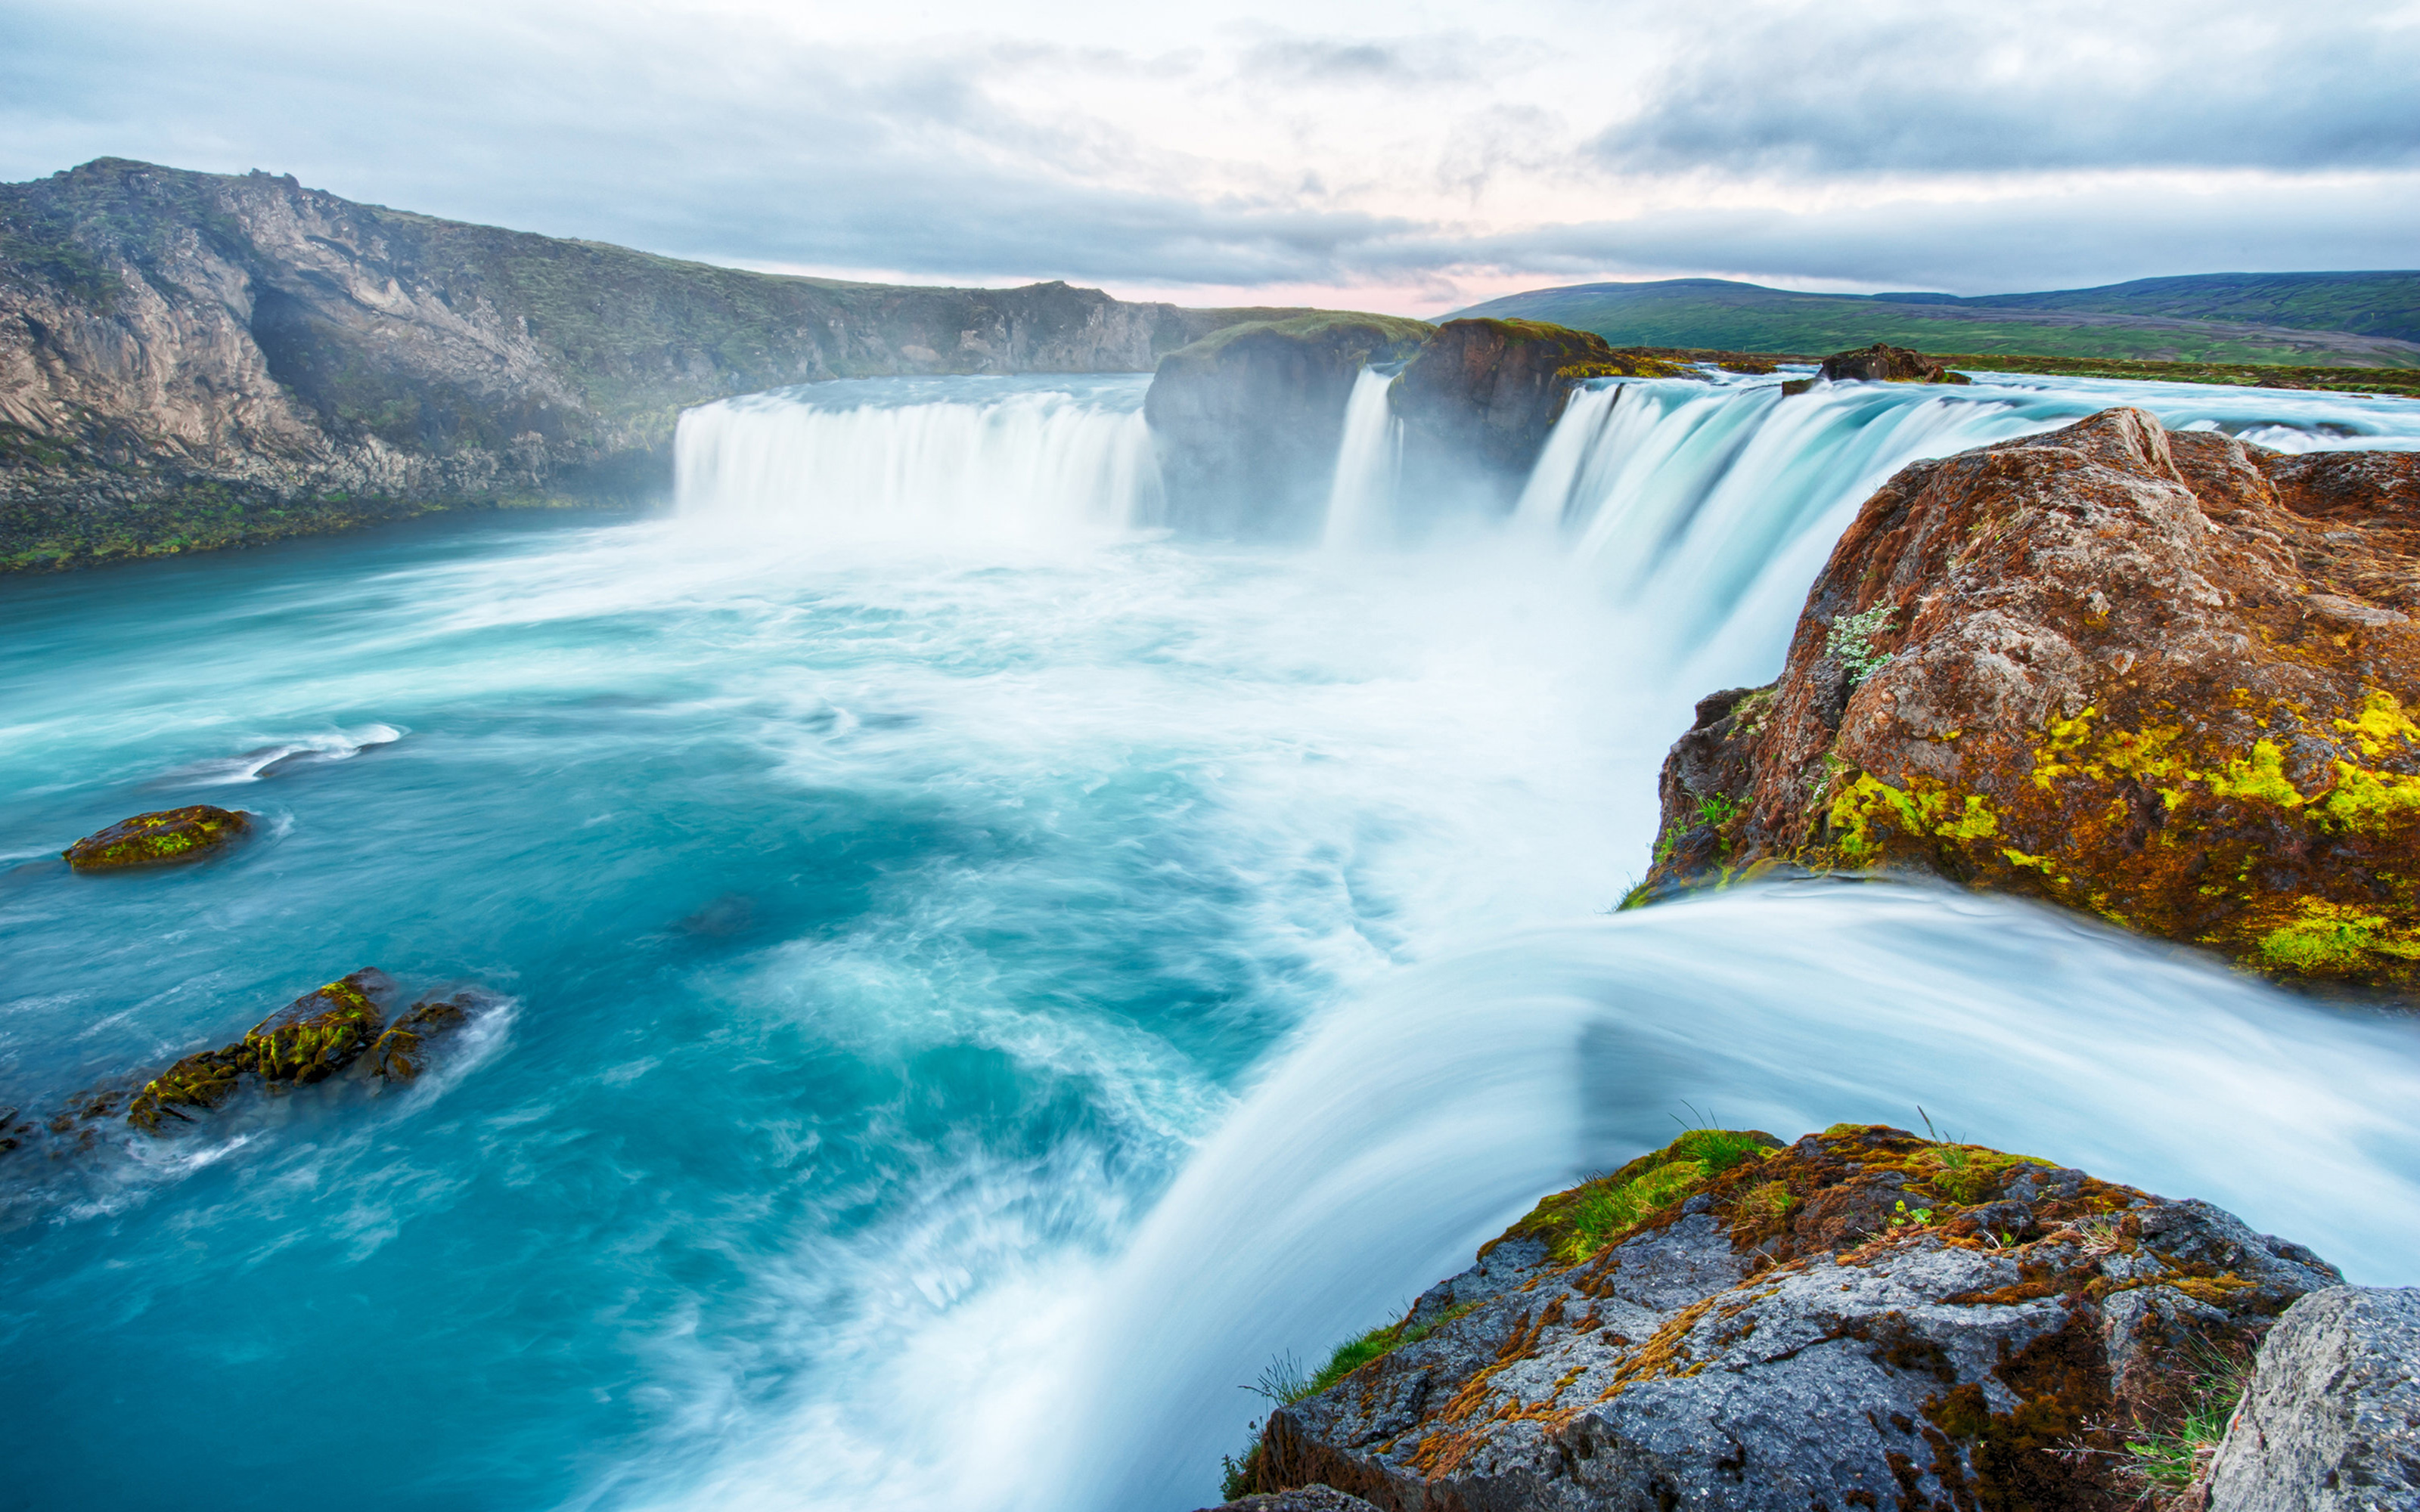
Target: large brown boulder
(2166,678)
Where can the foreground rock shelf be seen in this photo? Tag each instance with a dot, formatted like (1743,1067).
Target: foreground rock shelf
(1862,1319)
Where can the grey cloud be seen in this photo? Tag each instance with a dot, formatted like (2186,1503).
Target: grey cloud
(2018,88)
(725,147)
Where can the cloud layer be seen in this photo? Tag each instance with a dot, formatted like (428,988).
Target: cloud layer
(1391,157)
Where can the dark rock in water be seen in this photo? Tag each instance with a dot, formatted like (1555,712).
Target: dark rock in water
(158,838)
(1864,1319)
(1246,421)
(320,1033)
(1478,401)
(402,1053)
(1884,363)
(2166,678)
(308,1040)
(199,1081)
(2331,1422)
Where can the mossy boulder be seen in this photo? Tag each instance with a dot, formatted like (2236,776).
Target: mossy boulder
(1861,1319)
(159,839)
(2169,679)
(320,1032)
(309,1039)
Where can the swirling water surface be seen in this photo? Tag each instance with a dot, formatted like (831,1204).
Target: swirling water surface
(969,996)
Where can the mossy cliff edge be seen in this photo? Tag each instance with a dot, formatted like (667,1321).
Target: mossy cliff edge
(1863,1318)
(2166,678)
(191,361)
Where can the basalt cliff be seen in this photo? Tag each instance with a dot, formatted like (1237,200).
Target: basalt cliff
(192,359)
(2168,678)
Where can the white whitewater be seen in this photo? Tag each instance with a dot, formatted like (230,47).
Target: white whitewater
(939,461)
(1367,463)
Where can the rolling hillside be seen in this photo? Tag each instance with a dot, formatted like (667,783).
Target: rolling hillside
(2371,319)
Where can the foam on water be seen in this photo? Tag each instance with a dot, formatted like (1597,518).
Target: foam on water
(986,976)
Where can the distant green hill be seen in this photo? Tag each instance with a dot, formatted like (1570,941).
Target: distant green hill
(2301,319)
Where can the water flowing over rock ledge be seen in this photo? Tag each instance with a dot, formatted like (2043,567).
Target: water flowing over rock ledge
(2165,677)
(1864,1319)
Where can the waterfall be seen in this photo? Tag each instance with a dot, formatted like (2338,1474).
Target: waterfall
(1368,462)
(933,460)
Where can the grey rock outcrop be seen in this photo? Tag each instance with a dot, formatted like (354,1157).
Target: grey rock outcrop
(1479,400)
(192,359)
(2332,1420)
(1863,1320)
(1247,422)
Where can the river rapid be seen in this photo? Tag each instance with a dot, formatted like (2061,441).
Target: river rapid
(981,970)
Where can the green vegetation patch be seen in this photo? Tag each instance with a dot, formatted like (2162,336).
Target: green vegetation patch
(1576,1224)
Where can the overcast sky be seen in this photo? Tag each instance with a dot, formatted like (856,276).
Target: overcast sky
(1399,156)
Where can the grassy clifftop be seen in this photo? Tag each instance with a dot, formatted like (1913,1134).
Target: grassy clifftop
(2133,322)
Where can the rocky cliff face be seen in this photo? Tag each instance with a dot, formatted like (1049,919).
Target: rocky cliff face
(1478,399)
(1861,1319)
(194,360)
(2165,677)
(1247,422)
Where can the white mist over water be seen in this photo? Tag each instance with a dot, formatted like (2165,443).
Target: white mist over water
(1499,1046)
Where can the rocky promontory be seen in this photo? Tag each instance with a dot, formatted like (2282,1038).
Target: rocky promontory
(2168,678)
(1863,1318)
(1246,421)
(193,359)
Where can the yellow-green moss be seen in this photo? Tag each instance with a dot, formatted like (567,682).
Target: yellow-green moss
(2336,939)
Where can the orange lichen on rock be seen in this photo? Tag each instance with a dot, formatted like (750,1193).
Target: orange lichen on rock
(2165,678)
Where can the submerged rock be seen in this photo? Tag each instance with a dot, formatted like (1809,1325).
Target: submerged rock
(2331,1422)
(1862,1319)
(402,1053)
(2166,678)
(157,838)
